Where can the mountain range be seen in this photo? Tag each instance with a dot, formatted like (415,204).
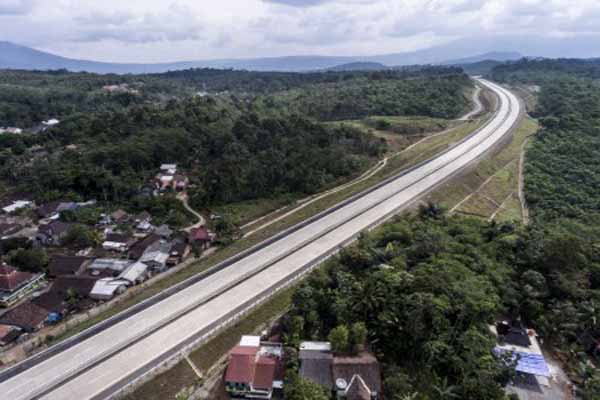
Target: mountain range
(14,56)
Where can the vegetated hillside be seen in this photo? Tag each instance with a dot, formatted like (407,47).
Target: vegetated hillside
(426,287)
(26,98)
(438,93)
(563,173)
(233,145)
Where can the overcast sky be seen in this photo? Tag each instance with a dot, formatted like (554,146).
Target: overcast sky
(172,30)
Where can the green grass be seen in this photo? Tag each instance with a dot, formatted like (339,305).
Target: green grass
(502,166)
(511,210)
(172,381)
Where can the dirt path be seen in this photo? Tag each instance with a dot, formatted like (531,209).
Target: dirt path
(478,106)
(183,197)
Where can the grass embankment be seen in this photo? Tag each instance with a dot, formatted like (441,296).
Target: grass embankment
(491,189)
(181,376)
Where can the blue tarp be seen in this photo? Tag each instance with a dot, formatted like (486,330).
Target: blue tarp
(529,363)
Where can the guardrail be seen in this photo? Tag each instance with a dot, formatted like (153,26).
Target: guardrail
(199,277)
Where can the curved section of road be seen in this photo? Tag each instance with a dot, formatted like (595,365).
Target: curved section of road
(98,366)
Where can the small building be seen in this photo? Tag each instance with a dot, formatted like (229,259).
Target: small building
(135,274)
(114,265)
(16,206)
(15,284)
(170,169)
(164,231)
(357,377)
(349,377)
(106,288)
(52,233)
(27,316)
(139,248)
(67,265)
(179,252)
(9,334)
(12,130)
(119,216)
(50,122)
(49,210)
(201,236)
(7,230)
(522,345)
(156,260)
(316,360)
(119,242)
(255,369)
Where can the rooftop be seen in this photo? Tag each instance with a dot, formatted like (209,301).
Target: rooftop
(12,279)
(66,265)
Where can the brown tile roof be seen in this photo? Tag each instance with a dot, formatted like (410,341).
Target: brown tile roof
(48,209)
(137,250)
(264,373)
(27,316)
(11,279)
(9,229)
(365,365)
(81,284)
(65,265)
(242,363)
(54,228)
(316,366)
(358,389)
(51,301)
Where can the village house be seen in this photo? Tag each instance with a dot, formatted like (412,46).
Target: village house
(135,274)
(156,257)
(106,288)
(15,284)
(201,236)
(118,242)
(521,344)
(114,265)
(119,217)
(11,129)
(355,377)
(137,250)
(67,265)
(52,233)
(255,369)
(8,334)
(179,252)
(7,230)
(27,316)
(16,205)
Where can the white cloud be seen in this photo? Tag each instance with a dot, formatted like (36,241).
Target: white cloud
(158,30)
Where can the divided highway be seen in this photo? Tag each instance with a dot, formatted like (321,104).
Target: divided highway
(100,365)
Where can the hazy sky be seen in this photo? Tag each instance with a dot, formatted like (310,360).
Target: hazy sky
(170,30)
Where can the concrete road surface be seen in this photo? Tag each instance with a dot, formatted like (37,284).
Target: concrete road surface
(100,365)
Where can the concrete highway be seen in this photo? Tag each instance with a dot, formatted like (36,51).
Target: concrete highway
(98,366)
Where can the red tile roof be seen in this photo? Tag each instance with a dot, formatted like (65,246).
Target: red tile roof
(11,279)
(200,234)
(242,364)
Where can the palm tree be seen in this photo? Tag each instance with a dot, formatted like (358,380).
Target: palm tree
(445,391)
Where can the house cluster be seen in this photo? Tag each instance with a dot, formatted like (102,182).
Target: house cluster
(121,88)
(256,371)
(132,249)
(168,179)
(11,130)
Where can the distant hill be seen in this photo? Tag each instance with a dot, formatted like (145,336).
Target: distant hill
(13,56)
(481,67)
(359,66)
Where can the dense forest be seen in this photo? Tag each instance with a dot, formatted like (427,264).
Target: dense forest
(426,287)
(257,140)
